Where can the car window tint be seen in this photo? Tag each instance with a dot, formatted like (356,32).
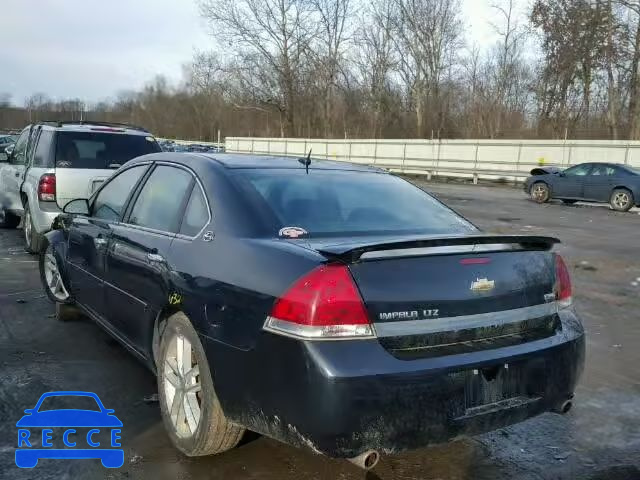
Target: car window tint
(20,149)
(603,170)
(161,199)
(100,150)
(42,150)
(335,202)
(196,214)
(578,170)
(110,201)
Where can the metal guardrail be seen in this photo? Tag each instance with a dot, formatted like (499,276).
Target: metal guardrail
(457,158)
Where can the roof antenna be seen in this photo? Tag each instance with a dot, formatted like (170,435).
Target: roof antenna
(306,161)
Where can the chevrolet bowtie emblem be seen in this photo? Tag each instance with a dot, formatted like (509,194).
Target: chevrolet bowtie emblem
(483,285)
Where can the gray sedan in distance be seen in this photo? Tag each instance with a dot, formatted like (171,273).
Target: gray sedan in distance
(616,184)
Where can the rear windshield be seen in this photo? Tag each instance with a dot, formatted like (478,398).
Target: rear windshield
(100,150)
(337,202)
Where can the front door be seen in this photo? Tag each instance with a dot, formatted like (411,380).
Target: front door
(89,239)
(12,174)
(570,183)
(138,270)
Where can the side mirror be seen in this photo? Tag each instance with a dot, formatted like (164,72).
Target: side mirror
(79,206)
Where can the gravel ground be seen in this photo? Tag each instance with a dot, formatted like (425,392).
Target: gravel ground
(598,440)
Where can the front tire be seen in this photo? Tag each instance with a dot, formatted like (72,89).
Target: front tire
(33,241)
(540,192)
(190,408)
(621,200)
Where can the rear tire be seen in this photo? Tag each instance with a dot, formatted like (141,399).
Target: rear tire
(621,200)
(540,192)
(33,241)
(210,432)
(8,219)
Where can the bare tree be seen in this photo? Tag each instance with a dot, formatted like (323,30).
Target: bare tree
(270,34)
(375,59)
(428,36)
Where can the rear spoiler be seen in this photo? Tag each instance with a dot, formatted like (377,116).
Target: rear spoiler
(351,252)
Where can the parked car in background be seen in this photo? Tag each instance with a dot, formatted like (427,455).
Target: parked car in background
(328,305)
(54,162)
(618,185)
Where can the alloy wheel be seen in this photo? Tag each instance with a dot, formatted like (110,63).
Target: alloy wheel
(54,279)
(621,200)
(182,386)
(540,192)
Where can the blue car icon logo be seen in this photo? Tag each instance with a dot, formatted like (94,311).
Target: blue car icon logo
(66,427)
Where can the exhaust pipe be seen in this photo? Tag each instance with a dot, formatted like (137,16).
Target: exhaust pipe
(366,460)
(563,407)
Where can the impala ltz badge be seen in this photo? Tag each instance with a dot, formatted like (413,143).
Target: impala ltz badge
(482,285)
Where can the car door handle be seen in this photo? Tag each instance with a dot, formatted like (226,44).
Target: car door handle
(99,242)
(154,257)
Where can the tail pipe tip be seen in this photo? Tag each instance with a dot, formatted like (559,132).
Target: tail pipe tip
(366,460)
(564,406)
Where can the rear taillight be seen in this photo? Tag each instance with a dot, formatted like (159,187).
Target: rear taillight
(324,304)
(47,188)
(563,283)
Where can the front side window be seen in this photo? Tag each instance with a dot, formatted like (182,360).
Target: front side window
(161,200)
(20,150)
(578,170)
(338,202)
(110,201)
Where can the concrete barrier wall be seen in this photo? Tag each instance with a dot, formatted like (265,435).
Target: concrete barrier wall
(490,159)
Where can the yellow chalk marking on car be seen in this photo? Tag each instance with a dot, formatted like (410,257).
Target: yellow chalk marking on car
(175,299)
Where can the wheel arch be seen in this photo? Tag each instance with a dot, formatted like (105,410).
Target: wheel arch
(158,329)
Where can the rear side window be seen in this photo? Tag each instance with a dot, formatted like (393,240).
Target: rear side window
(100,150)
(334,202)
(41,157)
(110,201)
(161,201)
(196,215)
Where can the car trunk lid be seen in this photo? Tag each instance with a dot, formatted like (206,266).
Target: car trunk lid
(444,295)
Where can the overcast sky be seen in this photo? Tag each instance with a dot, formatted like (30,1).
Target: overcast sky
(92,49)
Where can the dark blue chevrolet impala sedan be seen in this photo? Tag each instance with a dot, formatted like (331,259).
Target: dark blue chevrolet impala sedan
(327,305)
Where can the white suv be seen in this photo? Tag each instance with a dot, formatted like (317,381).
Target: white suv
(55,162)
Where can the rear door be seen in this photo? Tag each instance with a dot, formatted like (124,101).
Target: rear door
(84,159)
(570,183)
(599,183)
(89,237)
(138,271)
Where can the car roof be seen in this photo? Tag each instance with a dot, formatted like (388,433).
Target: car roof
(241,160)
(99,127)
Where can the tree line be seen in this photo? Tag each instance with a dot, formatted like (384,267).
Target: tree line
(390,69)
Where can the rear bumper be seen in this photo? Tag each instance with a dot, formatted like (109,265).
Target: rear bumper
(341,398)
(43,218)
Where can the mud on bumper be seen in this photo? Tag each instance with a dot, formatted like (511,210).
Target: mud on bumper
(342,398)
